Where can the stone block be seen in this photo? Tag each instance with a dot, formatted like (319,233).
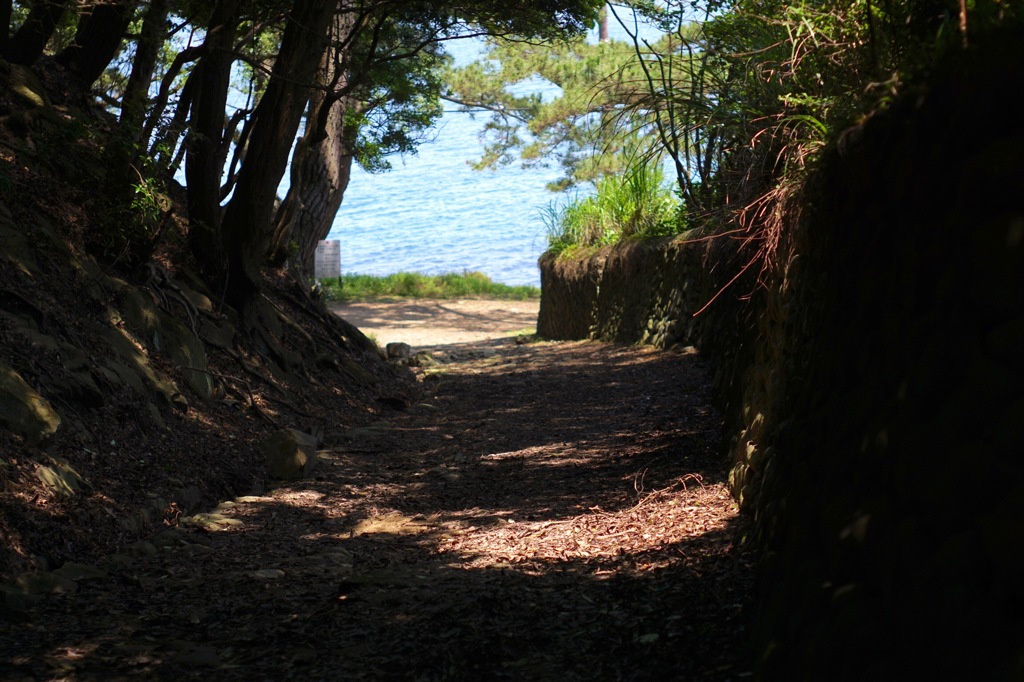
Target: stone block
(23,410)
(290,454)
(398,351)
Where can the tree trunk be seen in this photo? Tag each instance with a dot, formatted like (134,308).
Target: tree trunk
(130,145)
(165,142)
(321,175)
(163,147)
(101,29)
(603,34)
(6,10)
(246,228)
(321,164)
(28,43)
(212,76)
(136,93)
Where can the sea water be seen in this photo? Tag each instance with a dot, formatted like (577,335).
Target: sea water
(433,213)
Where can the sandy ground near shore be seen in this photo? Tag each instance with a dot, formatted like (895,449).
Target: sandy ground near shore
(424,323)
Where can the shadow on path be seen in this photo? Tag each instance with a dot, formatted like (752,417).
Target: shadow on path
(553,512)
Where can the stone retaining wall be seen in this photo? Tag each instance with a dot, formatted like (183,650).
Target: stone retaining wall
(631,293)
(657,293)
(874,426)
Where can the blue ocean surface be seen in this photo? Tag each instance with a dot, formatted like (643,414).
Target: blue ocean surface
(433,213)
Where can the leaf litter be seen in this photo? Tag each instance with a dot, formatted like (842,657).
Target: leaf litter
(554,511)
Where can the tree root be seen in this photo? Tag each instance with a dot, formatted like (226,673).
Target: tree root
(159,282)
(349,334)
(284,399)
(248,389)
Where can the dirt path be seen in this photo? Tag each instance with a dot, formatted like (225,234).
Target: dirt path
(552,511)
(432,322)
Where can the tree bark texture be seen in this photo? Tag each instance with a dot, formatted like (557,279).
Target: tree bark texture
(101,29)
(247,226)
(163,145)
(6,10)
(322,162)
(29,41)
(209,99)
(136,93)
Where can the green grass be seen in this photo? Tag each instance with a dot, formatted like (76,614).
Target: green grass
(632,205)
(416,285)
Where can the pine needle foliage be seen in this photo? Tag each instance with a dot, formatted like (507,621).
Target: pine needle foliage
(739,97)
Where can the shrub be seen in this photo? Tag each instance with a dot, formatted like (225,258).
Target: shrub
(633,205)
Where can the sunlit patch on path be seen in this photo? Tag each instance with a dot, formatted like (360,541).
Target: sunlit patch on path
(549,511)
(660,520)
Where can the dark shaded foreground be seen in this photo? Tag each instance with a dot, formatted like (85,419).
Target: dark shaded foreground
(555,511)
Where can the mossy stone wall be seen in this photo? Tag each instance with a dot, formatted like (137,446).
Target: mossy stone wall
(657,293)
(631,293)
(877,392)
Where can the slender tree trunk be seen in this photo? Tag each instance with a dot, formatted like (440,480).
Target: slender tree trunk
(212,76)
(101,30)
(6,10)
(321,164)
(128,146)
(603,34)
(247,227)
(170,133)
(237,156)
(163,147)
(28,43)
(136,93)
